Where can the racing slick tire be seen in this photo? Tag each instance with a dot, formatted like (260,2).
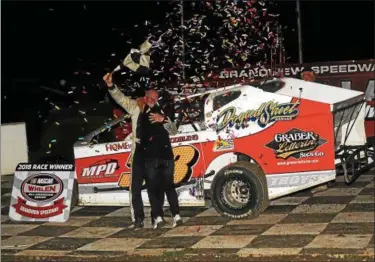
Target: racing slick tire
(240,191)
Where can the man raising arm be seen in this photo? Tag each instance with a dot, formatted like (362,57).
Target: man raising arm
(136,109)
(137,165)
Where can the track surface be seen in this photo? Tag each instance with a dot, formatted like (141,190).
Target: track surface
(335,225)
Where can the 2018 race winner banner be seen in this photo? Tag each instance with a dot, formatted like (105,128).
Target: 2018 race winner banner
(42,192)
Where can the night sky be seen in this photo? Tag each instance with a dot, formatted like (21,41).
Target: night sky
(49,38)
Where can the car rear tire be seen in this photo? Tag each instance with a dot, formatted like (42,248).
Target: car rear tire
(240,191)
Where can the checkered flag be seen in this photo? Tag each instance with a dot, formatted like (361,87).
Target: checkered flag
(137,60)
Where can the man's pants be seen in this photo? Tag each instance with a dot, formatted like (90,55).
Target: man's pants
(137,177)
(159,175)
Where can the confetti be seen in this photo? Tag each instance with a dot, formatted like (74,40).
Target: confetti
(242,35)
(183,58)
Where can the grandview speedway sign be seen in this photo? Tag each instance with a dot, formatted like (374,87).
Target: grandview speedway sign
(356,75)
(331,68)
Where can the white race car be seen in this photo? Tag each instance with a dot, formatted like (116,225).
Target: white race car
(246,146)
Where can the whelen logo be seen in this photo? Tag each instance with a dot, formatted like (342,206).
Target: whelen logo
(42,187)
(101,168)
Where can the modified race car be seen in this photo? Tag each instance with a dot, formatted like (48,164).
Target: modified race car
(243,147)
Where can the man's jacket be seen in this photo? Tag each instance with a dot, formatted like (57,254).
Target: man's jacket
(134,108)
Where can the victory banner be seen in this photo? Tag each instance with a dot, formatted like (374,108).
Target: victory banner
(42,192)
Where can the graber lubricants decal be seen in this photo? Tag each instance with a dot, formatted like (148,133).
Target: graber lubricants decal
(267,113)
(296,143)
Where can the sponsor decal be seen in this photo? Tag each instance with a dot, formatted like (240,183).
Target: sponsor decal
(223,145)
(42,187)
(102,168)
(117,146)
(299,162)
(233,171)
(40,192)
(267,113)
(39,212)
(296,143)
(184,138)
(296,179)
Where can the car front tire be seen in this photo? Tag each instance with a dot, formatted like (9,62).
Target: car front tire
(240,191)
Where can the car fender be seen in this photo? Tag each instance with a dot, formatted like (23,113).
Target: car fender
(217,164)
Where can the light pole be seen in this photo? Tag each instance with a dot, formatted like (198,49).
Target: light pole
(300,54)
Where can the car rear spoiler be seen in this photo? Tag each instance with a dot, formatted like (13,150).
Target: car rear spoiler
(347,107)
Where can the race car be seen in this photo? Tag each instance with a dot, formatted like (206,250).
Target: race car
(246,146)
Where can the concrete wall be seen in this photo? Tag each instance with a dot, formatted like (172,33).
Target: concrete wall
(13,147)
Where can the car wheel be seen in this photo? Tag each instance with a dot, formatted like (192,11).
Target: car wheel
(240,191)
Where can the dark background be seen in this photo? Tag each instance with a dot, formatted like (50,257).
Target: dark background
(37,42)
(44,42)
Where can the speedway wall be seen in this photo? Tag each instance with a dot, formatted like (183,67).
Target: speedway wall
(13,146)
